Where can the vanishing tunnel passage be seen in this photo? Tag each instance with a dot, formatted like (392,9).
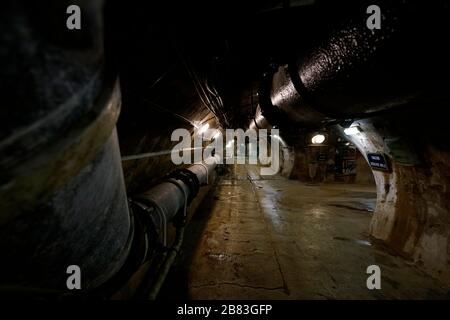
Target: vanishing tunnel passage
(276,238)
(262,150)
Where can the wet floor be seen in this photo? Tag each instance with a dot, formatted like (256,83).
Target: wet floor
(276,238)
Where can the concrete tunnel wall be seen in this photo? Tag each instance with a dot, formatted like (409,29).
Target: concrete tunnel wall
(411,215)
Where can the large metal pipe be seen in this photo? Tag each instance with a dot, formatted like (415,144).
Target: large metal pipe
(259,121)
(169,198)
(62,193)
(357,72)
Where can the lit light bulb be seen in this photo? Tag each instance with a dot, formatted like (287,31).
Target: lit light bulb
(216,135)
(318,139)
(352,130)
(203,128)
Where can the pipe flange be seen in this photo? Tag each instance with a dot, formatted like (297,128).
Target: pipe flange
(273,114)
(189,178)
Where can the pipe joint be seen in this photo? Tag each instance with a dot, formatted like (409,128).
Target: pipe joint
(189,178)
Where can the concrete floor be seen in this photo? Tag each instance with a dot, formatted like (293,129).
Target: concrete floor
(276,238)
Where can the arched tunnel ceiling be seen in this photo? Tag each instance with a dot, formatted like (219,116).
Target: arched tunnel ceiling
(229,42)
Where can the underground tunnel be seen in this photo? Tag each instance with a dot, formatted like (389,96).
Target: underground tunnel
(262,150)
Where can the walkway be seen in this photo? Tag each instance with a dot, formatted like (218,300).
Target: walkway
(276,238)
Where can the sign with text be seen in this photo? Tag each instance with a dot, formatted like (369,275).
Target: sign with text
(378,161)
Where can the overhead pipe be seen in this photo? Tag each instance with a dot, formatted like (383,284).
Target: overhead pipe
(357,72)
(259,121)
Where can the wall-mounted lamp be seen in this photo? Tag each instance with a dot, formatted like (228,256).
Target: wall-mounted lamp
(318,139)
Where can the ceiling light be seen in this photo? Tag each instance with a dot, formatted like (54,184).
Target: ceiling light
(352,130)
(203,128)
(216,135)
